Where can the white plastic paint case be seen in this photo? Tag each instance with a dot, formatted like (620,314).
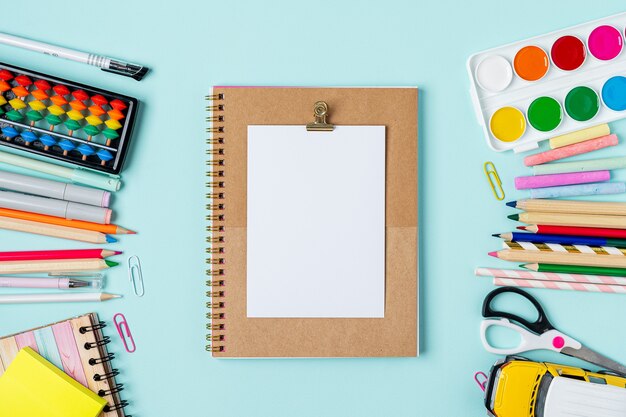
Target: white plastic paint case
(556,83)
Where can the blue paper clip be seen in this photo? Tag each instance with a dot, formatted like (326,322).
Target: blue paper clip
(135,276)
(124,331)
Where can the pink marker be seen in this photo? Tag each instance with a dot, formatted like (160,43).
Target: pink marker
(553,180)
(571,150)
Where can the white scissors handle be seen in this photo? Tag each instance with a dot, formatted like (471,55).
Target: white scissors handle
(551,340)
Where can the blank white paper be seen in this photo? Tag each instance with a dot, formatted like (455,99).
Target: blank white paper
(316,222)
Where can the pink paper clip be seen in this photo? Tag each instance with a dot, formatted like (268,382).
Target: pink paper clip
(481,379)
(124,331)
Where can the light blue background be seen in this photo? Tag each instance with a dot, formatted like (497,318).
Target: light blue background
(191,45)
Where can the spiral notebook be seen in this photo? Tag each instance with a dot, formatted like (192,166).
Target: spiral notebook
(313,233)
(78,347)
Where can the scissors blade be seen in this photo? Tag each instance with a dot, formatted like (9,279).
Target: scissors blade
(594,357)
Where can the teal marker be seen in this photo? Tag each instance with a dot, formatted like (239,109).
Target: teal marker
(76,175)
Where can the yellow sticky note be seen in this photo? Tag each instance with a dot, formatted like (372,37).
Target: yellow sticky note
(32,386)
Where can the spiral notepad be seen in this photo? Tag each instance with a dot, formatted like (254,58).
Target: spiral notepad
(246,280)
(78,347)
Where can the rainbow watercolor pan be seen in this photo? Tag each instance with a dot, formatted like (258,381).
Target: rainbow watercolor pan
(63,120)
(550,85)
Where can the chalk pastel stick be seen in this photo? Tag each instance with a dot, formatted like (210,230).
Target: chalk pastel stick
(571,150)
(602,164)
(580,136)
(553,180)
(599,188)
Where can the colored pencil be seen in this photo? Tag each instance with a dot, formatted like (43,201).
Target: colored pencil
(110,229)
(575,231)
(62,265)
(561,239)
(57,254)
(549,276)
(53,230)
(554,247)
(575,269)
(570,206)
(56,298)
(569,219)
(560,258)
(550,285)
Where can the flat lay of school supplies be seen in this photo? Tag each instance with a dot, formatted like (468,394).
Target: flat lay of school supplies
(32,386)
(77,347)
(366,140)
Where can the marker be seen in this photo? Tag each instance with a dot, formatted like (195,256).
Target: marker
(107,64)
(47,266)
(40,255)
(56,298)
(54,189)
(52,207)
(76,175)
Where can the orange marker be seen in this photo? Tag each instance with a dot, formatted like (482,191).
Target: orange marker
(110,229)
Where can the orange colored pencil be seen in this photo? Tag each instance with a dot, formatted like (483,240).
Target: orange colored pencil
(109,229)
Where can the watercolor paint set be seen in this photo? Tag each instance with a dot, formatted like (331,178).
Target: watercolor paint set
(64,120)
(550,85)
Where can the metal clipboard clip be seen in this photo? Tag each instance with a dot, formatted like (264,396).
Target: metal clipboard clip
(320,111)
(494,180)
(135,276)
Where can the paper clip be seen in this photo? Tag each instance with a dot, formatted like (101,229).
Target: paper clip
(494,180)
(135,276)
(124,331)
(481,379)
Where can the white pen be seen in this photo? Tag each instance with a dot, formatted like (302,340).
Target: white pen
(107,64)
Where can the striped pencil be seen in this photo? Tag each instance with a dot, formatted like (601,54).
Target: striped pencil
(559,258)
(549,276)
(40,255)
(569,286)
(553,247)
(569,206)
(575,231)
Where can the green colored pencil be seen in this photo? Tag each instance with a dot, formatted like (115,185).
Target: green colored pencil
(576,269)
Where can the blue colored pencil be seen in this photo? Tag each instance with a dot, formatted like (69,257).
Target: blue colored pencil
(561,239)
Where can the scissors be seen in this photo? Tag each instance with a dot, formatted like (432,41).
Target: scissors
(537,335)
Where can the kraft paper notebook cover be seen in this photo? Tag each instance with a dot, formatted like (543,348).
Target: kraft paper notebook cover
(76,346)
(238,115)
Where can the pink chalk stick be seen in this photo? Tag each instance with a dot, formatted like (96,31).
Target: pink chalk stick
(571,150)
(553,180)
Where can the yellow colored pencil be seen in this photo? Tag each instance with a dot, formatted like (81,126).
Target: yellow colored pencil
(570,206)
(55,265)
(569,219)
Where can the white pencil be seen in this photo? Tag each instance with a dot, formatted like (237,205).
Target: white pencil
(56,298)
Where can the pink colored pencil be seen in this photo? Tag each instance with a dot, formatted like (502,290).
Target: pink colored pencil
(570,286)
(571,150)
(549,276)
(57,254)
(553,180)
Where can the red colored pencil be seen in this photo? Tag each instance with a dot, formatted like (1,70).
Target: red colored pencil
(42,255)
(575,231)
